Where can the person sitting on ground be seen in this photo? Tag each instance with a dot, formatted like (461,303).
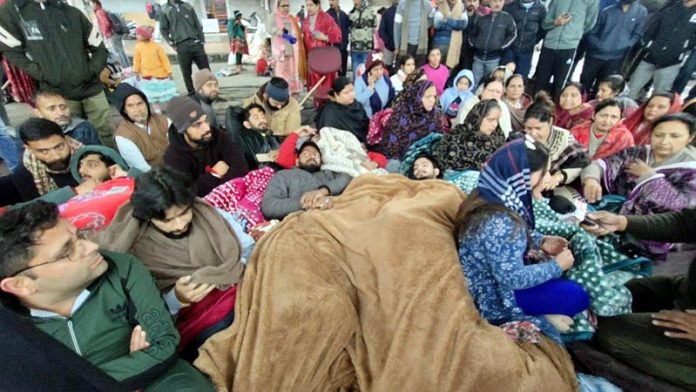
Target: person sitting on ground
(52,106)
(516,101)
(657,178)
(206,154)
(614,86)
(374,89)
(102,305)
(659,337)
(45,166)
(456,95)
(343,111)
(282,110)
(435,70)
(566,156)
(572,109)
(469,145)
(513,272)
(141,137)
(207,91)
(406,67)
(192,251)
(605,134)
(259,144)
(642,121)
(303,187)
(425,168)
(492,89)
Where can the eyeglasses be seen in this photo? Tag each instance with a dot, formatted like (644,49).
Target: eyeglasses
(72,252)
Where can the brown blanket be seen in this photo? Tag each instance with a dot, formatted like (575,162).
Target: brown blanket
(370,296)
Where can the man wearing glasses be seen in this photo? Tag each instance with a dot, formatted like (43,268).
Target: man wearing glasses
(104,306)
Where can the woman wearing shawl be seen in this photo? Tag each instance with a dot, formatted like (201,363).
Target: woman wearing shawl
(492,89)
(657,178)
(516,101)
(567,157)
(459,93)
(469,145)
(572,109)
(414,116)
(289,59)
(640,123)
(373,89)
(605,134)
(319,30)
(513,272)
(342,111)
(449,22)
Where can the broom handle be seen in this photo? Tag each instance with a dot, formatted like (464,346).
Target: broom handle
(316,86)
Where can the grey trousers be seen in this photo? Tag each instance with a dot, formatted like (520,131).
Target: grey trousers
(662,78)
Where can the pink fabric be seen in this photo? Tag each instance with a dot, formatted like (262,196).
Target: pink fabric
(376,127)
(200,316)
(286,67)
(438,76)
(95,210)
(105,25)
(325,24)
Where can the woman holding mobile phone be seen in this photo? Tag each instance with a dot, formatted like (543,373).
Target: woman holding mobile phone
(319,30)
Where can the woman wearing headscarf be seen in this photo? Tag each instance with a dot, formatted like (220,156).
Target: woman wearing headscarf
(470,144)
(449,21)
(516,101)
(374,89)
(513,272)
(414,116)
(640,123)
(342,111)
(572,109)
(492,89)
(289,59)
(319,30)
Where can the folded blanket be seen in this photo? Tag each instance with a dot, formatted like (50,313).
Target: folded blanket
(370,296)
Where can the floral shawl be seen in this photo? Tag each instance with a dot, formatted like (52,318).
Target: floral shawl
(566,153)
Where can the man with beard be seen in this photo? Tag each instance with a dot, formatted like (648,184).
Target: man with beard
(282,110)
(256,139)
(52,106)
(206,154)
(425,168)
(303,187)
(207,91)
(141,137)
(46,164)
(194,252)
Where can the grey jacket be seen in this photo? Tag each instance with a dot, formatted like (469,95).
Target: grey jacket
(583,17)
(179,23)
(286,188)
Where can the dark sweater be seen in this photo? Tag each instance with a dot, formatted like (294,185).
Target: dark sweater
(183,157)
(19,186)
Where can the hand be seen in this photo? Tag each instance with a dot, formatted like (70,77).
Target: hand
(188,293)
(370,164)
(553,245)
(306,131)
(606,223)
(273,155)
(562,20)
(221,168)
(371,80)
(115,171)
(565,259)
(138,340)
(311,199)
(555,181)
(683,323)
(639,168)
(396,52)
(592,190)
(87,186)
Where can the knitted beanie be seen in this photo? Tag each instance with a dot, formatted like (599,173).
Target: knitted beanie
(184,111)
(202,77)
(144,31)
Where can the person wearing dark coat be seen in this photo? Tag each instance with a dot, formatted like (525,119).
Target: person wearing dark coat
(343,21)
(257,141)
(342,111)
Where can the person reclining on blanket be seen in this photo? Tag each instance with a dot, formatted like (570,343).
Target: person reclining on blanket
(53,106)
(256,139)
(102,305)
(191,249)
(514,272)
(303,187)
(425,168)
(659,337)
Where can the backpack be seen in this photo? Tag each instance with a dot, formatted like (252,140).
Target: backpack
(152,10)
(118,24)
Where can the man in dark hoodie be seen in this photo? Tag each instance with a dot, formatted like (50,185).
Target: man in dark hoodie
(59,48)
(141,137)
(207,154)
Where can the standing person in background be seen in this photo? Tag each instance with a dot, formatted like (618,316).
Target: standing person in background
(413,17)
(319,30)
(343,21)
(528,16)
(183,31)
(565,22)
(386,32)
(108,30)
(238,44)
(289,58)
(362,27)
(449,22)
(491,35)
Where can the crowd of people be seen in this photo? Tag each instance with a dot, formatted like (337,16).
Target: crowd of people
(127,245)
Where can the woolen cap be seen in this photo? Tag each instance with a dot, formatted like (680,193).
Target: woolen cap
(184,111)
(202,77)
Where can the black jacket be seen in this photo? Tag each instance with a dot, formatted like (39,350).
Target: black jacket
(670,35)
(67,52)
(492,34)
(254,142)
(528,22)
(19,186)
(351,118)
(179,23)
(183,157)
(386,28)
(122,92)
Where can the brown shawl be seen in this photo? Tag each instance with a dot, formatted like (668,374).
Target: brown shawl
(152,146)
(455,45)
(210,253)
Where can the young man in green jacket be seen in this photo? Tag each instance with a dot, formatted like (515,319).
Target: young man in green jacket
(104,306)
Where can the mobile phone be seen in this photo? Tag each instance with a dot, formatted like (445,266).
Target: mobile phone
(589,222)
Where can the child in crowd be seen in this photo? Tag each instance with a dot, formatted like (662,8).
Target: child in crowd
(408,65)
(490,36)
(436,71)
(238,45)
(153,69)
(459,93)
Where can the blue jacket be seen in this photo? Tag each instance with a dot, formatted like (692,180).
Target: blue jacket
(443,30)
(492,34)
(616,31)
(383,89)
(450,95)
(528,22)
(386,27)
(343,21)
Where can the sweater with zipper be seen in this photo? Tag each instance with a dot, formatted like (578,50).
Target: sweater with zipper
(616,31)
(670,35)
(55,44)
(362,27)
(528,22)
(492,34)
(583,15)
(179,23)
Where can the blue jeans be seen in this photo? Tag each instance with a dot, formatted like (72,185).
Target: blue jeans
(357,58)
(522,60)
(9,152)
(483,68)
(685,72)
